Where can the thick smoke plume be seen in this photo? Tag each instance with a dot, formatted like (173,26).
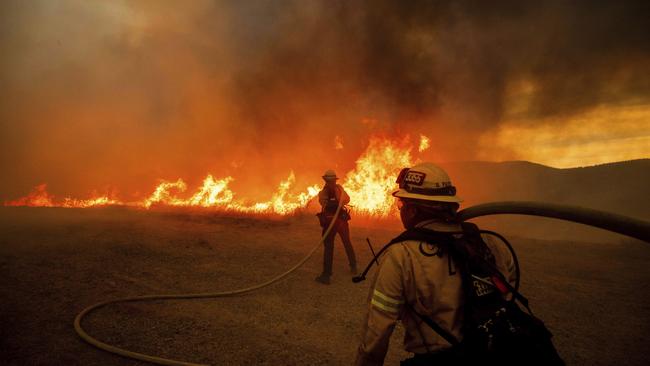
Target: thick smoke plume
(114,95)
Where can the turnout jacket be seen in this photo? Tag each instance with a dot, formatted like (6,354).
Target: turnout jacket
(323,195)
(405,275)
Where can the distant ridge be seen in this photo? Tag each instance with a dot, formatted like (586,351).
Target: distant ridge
(622,162)
(526,162)
(620,187)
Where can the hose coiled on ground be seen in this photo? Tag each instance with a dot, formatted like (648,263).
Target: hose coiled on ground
(620,224)
(165,361)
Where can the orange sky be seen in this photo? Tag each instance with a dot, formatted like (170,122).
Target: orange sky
(597,135)
(118,95)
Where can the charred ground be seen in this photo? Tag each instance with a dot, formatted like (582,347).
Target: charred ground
(54,262)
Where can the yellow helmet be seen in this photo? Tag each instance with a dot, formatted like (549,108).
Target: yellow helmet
(329,175)
(428,182)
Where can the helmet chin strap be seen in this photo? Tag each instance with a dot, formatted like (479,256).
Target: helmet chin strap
(412,214)
(407,214)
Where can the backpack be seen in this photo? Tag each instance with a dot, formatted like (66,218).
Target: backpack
(495,330)
(330,207)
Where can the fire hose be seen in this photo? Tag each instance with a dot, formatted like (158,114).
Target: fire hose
(620,224)
(165,361)
(635,228)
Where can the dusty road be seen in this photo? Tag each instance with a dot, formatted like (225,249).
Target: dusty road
(54,262)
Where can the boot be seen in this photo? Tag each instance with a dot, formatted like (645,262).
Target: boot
(353,269)
(324,279)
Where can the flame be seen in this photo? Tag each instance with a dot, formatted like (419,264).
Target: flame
(91,202)
(212,193)
(372,181)
(162,194)
(338,143)
(424,143)
(369,185)
(216,194)
(282,202)
(38,197)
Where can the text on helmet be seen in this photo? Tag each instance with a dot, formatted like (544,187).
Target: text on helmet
(415,178)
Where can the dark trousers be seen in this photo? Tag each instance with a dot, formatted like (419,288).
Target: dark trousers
(343,229)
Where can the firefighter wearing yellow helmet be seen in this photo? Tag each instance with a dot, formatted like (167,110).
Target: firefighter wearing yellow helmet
(329,198)
(409,281)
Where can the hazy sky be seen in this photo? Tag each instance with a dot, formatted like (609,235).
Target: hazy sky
(119,94)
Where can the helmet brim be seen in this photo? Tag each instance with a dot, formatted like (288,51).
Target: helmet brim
(402,193)
(325,177)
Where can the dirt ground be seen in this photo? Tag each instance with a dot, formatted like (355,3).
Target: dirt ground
(54,262)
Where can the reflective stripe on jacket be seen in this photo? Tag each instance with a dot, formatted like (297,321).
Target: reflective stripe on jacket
(406,275)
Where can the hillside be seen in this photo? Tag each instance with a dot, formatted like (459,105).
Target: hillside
(620,188)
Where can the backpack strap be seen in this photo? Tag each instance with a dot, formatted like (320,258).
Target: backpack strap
(443,240)
(435,326)
(416,234)
(472,232)
(457,249)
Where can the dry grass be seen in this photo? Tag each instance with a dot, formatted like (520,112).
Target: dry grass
(54,262)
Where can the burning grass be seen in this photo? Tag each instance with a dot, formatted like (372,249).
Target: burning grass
(369,185)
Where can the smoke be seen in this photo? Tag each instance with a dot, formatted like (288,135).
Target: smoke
(119,94)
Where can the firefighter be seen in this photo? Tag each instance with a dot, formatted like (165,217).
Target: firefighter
(329,198)
(407,281)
